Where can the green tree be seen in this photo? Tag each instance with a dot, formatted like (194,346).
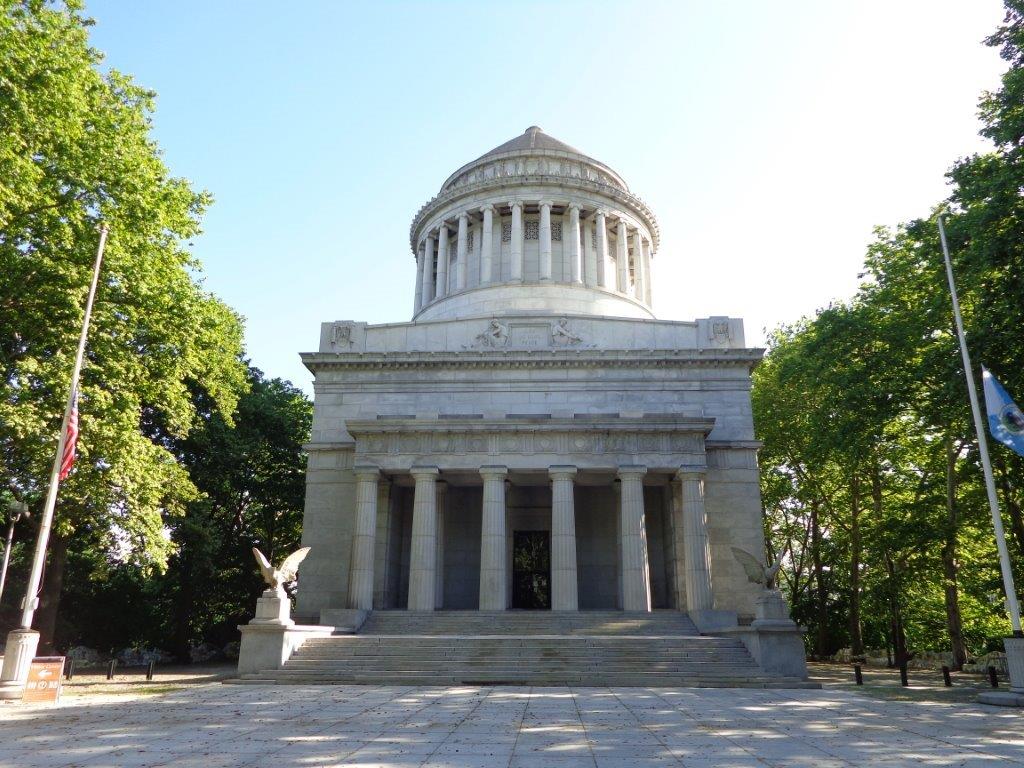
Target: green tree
(75,149)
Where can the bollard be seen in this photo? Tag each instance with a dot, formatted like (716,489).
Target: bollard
(69,670)
(858,674)
(903,675)
(993,680)
(149,670)
(110,669)
(946,679)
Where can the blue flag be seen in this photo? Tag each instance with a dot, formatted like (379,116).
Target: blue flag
(1005,420)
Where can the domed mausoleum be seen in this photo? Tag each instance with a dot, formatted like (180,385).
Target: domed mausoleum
(535,457)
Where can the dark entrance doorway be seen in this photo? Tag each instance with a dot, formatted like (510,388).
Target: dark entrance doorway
(531,570)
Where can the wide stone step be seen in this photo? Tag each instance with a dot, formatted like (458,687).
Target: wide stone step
(529,622)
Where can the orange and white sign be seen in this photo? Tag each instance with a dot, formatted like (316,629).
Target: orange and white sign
(44,679)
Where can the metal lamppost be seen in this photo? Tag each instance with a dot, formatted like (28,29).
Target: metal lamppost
(16,510)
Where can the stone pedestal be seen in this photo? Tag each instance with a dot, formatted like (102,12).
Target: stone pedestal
(268,646)
(18,654)
(773,639)
(273,607)
(1015,666)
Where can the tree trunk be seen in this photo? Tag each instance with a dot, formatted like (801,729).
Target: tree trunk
(856,639)
(899,634)
(821,591)
(954,621)
(53,587)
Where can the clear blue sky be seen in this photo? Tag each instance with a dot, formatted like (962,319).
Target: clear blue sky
(768,137)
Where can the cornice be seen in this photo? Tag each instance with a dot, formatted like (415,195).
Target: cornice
(656,423)
(535,359)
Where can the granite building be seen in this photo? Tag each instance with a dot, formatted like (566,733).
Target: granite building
(534,437)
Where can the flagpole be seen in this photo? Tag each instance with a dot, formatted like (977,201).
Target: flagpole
(22,642)
(986,464)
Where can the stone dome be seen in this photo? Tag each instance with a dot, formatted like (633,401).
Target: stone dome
(534,225)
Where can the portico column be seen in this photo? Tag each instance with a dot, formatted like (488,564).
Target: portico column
(486,243)
(545,239)
(517,241)
(418,294)
(442,507)
(360,578)
(493,543)
(442,261)
(622,256)
(423,550)
(638,264)
(590,254)
(603,278)
(564,585)
(428,271)
(695,540)
(636,582)
(461,252)
(575,260)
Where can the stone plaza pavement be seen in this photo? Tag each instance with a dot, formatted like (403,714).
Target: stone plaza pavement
(214,726)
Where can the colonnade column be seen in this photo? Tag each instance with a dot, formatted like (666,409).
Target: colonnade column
(517,241)
(564,584)
(697,553)
(636,581)
(428,271)
(638,264)
(589,251)
(647,273)
(545,239)
(486,243)
(423,550)
(493,541)
(418,295)
(622,256)
(442,261)
(360,574)
(602,250)
(575,257)
(461,252)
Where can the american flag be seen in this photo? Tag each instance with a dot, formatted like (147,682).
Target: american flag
(67,458)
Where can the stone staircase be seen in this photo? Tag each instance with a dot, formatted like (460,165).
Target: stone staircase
(590,648)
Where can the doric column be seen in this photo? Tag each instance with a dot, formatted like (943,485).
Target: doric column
(638,264)
(461,252)
(418,293)
(622,256)
(493,543)
(697,554)
(545,239)
(517,241)
(486,244)
(360,574)
(428,270)
(636,582)
(589,254)
(442,261)
(442,506)
(603,278)
(564,587)
(423,550)
(575,260)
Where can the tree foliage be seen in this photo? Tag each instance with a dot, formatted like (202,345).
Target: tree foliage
(871,469)
(76,149)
